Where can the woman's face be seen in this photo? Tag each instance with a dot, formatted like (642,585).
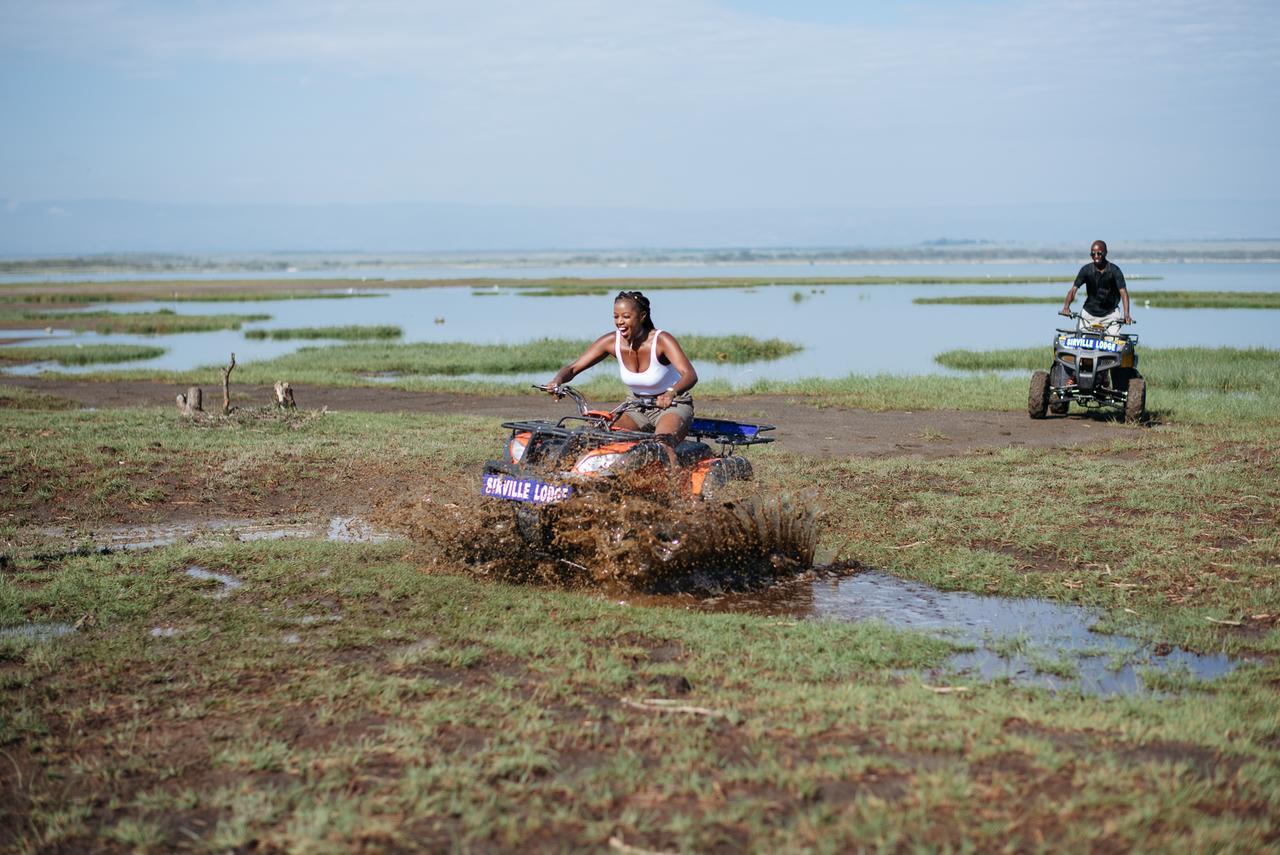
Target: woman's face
(627,316)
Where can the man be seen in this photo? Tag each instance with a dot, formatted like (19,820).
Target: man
(1105,292)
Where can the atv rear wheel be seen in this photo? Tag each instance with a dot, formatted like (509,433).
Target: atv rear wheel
(1038,396)
(1135,402)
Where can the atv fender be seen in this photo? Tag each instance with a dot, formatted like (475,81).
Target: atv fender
(710,475)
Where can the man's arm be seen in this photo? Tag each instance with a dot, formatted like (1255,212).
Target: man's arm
(1124,295)
(1071,294)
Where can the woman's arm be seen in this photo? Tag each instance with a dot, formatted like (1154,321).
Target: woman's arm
(596,351)
(670,348)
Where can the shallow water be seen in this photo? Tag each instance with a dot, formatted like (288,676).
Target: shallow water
(37,631)
(230,584)
(1027,641)
(862,329)
(342,529)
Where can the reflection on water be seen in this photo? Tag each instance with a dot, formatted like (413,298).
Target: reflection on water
(1033,642)
(856,329)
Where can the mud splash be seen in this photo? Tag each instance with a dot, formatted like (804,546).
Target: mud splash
(1026,641)
(615,540)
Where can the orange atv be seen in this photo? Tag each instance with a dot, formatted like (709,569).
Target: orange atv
(544,461)
(636,497)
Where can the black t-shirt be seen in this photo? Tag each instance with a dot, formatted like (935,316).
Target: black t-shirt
(1102,288)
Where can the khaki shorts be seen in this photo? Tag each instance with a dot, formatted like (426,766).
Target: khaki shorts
(648,419)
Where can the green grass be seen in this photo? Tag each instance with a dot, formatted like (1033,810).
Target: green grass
(179,290)
(356,696)
(74,354)
(18,398)
(349,332)
(162,322)
(357,364)
(1200,369)
(1139,300)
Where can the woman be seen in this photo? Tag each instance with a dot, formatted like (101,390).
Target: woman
(650,363)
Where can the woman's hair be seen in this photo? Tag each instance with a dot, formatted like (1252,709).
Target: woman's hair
(641,301)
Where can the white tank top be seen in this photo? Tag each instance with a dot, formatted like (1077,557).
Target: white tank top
(655,379)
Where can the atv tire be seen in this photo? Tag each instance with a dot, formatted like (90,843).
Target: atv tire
(1038,396)
(1058,377)
(1135,402)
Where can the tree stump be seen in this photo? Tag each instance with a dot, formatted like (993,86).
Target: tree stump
(284,396)
(192,402)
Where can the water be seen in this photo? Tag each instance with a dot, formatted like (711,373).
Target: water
(843,329)
(37,632)
(1027,641)
(342,529)
(230,584)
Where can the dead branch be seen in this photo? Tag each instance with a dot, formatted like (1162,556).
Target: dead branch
(668,705)
(226,386)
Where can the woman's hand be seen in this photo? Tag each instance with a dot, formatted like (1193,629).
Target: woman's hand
(665,399)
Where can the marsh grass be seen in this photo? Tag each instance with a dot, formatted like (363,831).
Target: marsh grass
(179,290)
(350,332)
(77,354)
(1197,369)
(1139,299)
(162,322)
(423,365)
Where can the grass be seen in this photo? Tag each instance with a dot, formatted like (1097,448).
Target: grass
(1139,299)
(179,290)
(407,364)
(164,321)
(1194,369)
(420,707)
(77,354)
(349,332)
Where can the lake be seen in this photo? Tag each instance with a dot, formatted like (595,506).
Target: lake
(860,329)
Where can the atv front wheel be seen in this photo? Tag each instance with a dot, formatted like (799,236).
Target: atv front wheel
(1038,396)
(1135,402)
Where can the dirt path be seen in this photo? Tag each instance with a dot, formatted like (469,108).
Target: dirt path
(821,432)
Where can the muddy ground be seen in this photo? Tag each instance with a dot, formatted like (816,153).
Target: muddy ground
(803,427)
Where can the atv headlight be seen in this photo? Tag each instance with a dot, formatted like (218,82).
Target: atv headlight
(517,447)
(590,464)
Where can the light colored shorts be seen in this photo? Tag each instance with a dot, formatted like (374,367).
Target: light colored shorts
(648,419)
(1111,321)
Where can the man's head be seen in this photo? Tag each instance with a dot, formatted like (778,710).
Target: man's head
(1098,252)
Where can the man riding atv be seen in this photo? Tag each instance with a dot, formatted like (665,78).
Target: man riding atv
(1105,292)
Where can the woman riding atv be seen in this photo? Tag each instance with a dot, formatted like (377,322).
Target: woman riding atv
(650,363)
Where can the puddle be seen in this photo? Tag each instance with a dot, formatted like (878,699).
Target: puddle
(341,529)
(1027,641)
(229,583)
(37,631)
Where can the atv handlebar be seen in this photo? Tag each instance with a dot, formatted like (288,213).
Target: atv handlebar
(640,402)
(1075,316)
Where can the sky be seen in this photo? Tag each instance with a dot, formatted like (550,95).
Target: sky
(662,106)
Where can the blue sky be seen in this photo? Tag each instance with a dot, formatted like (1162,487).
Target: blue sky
(679,105)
